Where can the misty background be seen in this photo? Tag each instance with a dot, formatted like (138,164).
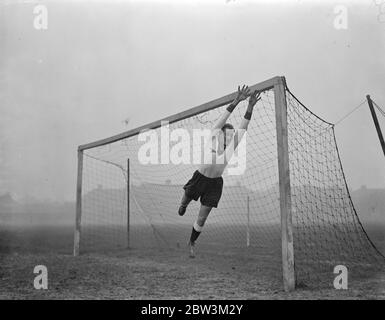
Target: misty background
(103,67)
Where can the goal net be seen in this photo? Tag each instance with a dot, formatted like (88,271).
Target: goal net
(124,202)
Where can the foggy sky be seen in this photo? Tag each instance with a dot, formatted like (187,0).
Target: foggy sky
(100,63)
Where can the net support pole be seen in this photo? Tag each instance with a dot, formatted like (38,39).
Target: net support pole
(376,124)
(284,185)
(248,222)
(128,203)
(78,204)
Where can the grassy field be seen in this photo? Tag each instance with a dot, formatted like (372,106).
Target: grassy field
(154,272)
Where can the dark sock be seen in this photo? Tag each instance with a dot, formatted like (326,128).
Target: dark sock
(194,235)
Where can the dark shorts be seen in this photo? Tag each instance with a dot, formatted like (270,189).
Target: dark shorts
(208,189)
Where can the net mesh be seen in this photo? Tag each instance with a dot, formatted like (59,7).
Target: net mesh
(326,228)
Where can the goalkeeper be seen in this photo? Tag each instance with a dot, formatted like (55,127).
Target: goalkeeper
(207,182)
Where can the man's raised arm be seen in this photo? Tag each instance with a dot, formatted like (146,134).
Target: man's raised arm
(254,98)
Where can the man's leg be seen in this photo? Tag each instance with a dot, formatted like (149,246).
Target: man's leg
(198,225)
(183,204)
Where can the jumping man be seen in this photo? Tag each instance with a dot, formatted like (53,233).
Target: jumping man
(207,182)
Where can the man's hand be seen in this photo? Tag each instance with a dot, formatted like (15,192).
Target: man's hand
(242,93)
(254,98)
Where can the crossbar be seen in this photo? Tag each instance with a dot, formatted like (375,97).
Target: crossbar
(262,86)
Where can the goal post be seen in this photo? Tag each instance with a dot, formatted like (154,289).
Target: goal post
(128,203)
(284,185)
(78,203)
(299,216)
